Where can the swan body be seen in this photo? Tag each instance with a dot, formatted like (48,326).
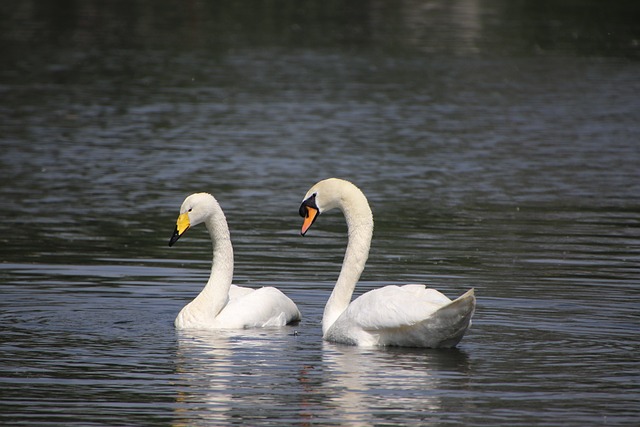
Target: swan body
(221,305)
(408,316)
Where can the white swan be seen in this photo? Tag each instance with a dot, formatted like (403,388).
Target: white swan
(409,315)
(221,305)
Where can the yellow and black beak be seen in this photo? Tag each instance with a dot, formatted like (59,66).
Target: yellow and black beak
(182,225)
(309,211)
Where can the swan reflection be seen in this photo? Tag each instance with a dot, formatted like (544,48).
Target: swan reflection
(226,376)
(252,376)
(203,366)
(387,380)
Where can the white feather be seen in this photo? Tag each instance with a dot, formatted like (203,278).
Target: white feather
(221,305)
(410,315)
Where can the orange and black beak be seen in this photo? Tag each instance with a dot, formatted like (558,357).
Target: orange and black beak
(309,211)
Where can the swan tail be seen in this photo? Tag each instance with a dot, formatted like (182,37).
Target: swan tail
(453,320)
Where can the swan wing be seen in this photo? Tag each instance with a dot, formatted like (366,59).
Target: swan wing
(236,292)
(395,306)
(257,308)
(410,315)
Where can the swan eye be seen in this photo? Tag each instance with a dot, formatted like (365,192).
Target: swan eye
(190,209)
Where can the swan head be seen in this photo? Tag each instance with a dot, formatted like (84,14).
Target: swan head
(322,197)
(195,209)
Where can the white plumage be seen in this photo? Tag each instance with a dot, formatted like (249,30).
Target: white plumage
(221,305)
(410,315)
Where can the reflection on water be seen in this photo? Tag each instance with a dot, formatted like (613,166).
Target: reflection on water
(168,28)
(223,375)
(204,366)
(377,386)
(497,143)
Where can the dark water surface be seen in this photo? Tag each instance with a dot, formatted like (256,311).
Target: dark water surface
(499,146)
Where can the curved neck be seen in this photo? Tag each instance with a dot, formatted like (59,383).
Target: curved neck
(215,294)
(359,219)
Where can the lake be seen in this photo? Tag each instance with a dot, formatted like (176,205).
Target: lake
(498,144)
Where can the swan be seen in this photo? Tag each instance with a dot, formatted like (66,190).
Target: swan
(221,305)
(407,316)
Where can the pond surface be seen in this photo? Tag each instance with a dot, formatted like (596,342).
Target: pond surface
(498,144)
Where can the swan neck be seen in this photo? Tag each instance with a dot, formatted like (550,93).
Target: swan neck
(360,231)
(214,296)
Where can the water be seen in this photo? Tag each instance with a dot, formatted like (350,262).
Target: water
(498,146)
